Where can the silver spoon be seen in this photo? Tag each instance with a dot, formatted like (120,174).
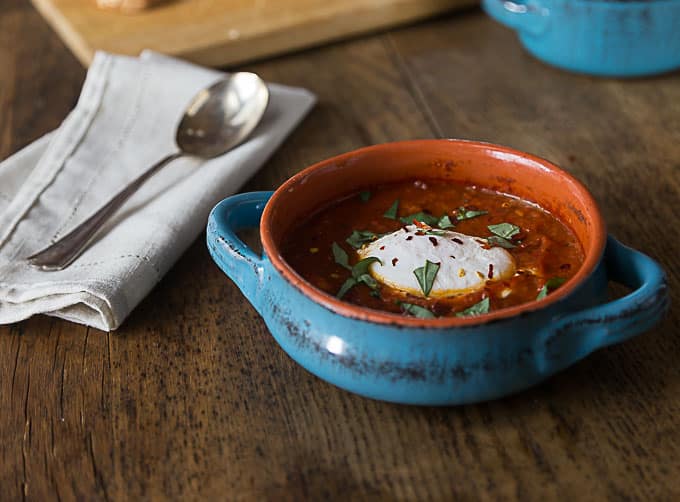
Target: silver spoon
(217,119)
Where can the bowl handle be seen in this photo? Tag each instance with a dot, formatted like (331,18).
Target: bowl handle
(232,255)
(528,16)
(576,335)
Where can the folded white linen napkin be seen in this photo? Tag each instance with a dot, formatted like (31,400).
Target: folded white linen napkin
(124,121)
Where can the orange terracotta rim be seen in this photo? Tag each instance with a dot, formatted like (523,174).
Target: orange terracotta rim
(593,249)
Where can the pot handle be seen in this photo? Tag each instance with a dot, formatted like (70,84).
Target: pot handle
(576,335)
(232,255)
(528,16)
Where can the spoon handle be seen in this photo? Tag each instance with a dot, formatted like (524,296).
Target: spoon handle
(61,253)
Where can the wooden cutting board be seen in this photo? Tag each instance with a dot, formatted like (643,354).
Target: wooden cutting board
(221,32)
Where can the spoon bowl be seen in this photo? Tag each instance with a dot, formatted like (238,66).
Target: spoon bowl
(222,116)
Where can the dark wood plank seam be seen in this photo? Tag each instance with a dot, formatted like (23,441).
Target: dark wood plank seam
(108,360)
(16,365)
(411,84)
(27,428)
(96,472)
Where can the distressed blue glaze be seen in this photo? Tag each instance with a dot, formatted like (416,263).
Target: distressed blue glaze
(435,366)
(599,37)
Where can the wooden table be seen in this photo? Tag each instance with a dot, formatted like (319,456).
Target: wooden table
(192,398)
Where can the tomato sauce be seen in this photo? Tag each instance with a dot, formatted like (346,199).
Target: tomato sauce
(546,252)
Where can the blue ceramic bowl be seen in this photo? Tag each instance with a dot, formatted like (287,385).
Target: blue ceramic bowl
(443,361)
(600,37)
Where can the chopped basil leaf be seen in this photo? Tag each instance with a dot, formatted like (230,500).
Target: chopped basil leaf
(416,310)
(466,214)
(481,307)
(368,280)
(426,218)
(375,293)
(360,274)
(438,233)
(426,275)
(360,237)
(550,284)
(505,230)
(391,213)
(365,195)
(445,222)
(555,282)
(340,256)
(361,268)
(346,286)
(494,240)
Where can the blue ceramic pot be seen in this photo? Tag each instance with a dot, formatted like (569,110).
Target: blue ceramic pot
(442,361)
(599,37)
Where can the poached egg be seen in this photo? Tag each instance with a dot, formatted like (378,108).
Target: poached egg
(465,262)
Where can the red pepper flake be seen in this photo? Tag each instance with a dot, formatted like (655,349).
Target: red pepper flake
(420,224)
(490,274)
(483,244)
(382,247)
(433,240)
(409,237)
(394,261)
(457,240)
(404,228)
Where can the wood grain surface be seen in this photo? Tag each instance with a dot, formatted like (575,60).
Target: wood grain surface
(192,398)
